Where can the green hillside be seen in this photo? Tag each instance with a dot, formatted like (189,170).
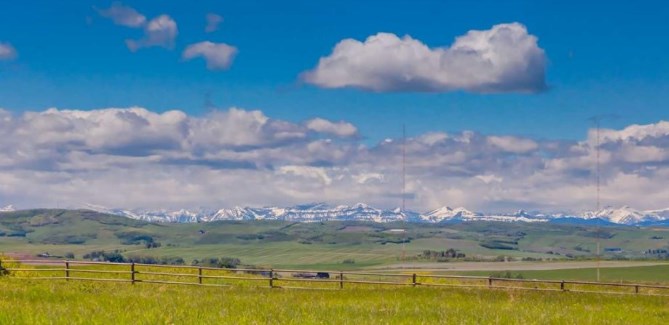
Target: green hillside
(323,245)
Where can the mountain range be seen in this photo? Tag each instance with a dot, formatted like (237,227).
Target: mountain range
(362,212)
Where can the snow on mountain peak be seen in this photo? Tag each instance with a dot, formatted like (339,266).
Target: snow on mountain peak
(316,212)
(448,213)
(8,208)
(623,215)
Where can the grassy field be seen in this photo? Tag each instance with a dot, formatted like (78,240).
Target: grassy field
(643,274)
(101,303)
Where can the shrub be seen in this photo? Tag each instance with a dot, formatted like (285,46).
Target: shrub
(114,256)
(506,275)
(223,262)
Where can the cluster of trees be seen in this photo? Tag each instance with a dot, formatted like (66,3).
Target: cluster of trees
(660,252)
(116,256)
(135,238)
(103,256)
(154,260)
(223,262)
(500,243)
(153,244)
(442,255)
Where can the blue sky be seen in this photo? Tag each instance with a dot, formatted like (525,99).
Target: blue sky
(496,99)
(602,59)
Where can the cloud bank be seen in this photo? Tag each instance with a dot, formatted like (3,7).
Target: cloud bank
(137,158)
(505,58)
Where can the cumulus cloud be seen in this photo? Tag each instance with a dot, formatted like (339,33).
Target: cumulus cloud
(218,56)
(123,15)
(340,129)
(512,144)
(159,31)
(213,21)
(7,52)
(134,157)
(505,58)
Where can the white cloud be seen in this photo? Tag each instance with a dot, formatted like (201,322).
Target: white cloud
(513,144)
(123,15)
(160,31)
(489,178)
(632,133)
(504,58)
(213,21)
(217,55)
(368,178)
(314,173)
(7,52)
(134,157)
(340,129)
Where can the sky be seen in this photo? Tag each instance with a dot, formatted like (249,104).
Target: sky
(146,104)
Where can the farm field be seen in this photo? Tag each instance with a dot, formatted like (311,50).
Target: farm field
(637,274)
(59,302)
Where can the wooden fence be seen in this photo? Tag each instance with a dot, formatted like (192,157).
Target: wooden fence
(282,278)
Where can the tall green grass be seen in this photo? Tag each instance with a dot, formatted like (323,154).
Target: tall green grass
(74,302)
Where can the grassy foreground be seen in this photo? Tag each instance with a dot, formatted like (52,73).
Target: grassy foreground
(59,302)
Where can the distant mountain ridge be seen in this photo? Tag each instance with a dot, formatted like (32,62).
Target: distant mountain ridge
(317,212)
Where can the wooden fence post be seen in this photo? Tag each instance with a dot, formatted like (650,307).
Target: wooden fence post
(67,270)
(199,274)
(132,273)
(562,285)
(271,278)
(489,282)
(341,280)
(636,289)
(413,280)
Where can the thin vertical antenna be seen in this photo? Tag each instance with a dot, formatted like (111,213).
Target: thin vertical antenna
(598,168)
(404,181)
(598,193)
(404,165)
(209,105)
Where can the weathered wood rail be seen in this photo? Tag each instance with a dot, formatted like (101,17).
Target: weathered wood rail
(278,278)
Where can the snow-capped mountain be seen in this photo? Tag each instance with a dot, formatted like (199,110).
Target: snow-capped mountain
(8,208)
(315,212)
(179,216)
(362,212)
(626,215)
(449,214)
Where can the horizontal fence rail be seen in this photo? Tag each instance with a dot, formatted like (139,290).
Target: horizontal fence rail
(277,278)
